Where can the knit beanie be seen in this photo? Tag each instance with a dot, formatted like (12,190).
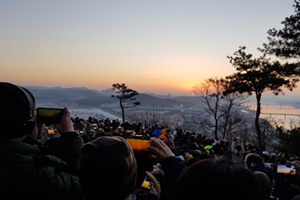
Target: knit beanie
(107,169)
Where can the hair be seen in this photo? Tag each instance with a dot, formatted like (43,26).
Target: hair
(252,157)
(160,177)
(215,179)
(156,183)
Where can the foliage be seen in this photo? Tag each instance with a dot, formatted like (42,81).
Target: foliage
(285,43)
(289,141)
(258,75)
(125,96)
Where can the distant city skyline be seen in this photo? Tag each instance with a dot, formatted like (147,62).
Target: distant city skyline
(161,47)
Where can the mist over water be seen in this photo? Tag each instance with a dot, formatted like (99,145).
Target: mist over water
(93,112)
(281,114)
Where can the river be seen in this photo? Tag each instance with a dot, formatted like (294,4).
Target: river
(285,114)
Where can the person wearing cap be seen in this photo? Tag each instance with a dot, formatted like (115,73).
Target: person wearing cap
(108,169)
(26,173)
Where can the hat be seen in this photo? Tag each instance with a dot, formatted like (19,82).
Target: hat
(264,183)
(107,168)
(17,106)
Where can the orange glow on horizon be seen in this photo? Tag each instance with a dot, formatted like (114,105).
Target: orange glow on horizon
(165,76)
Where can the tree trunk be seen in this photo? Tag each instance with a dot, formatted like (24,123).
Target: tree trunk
(216,128)
(216,117)
(123,113)
(258,131)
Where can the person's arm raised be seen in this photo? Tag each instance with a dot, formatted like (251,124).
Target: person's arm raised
(70,142)
(172,165)
(297,166)
(66,124)
(159,150)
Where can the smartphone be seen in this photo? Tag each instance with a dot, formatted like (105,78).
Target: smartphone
(146,186)
(138,144)
(49,115)
(286,169)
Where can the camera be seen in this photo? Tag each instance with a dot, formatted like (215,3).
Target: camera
(140,146)
(49,116)
(146,186)
(286,169)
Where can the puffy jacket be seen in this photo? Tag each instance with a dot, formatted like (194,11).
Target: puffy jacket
(27,174)
(163,134)
(156,133)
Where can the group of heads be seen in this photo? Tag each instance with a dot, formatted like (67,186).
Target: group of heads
(107,163)
(108,168)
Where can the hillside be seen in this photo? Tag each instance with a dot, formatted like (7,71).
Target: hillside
(83,96)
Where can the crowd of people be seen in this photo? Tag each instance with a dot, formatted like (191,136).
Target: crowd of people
(94,159)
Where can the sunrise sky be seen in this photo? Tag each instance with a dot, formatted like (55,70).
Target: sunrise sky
(163,46)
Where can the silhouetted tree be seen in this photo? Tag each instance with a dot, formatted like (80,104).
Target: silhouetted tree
(294,122)
(232,121)
(217,105)
(269,134)
(285,43)
(288,140)
(125,96)
(258,75)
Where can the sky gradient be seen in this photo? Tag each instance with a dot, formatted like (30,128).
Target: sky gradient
(152,46)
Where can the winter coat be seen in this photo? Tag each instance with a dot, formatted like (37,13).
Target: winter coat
(172,167)
(156,133)
(27,174)
(163,134)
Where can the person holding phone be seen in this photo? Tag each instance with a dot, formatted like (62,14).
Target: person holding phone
(295,188)
(205,179)
(172,166)
(27,173)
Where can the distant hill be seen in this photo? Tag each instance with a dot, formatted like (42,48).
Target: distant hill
(66,96)
(146,99)
(83,96)
(192,99)
(107,92)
